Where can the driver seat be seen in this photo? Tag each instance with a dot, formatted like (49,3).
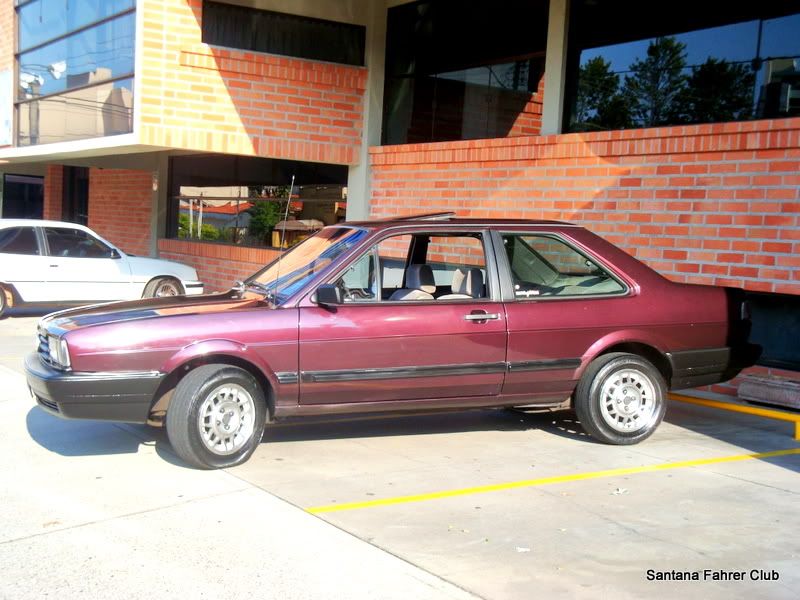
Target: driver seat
(419,284)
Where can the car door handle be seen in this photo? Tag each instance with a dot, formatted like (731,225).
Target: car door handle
(51,266)
(481,316)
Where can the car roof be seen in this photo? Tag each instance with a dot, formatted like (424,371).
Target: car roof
(39,223)
(447,218)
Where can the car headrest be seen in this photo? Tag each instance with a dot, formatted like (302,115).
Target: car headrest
(420,277)
(468,282)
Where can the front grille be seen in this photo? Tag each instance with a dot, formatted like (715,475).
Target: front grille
(44,349)
(48,404)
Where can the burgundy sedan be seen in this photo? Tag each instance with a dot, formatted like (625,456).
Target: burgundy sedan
(426,312)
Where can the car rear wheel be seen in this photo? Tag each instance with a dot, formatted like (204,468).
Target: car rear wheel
(621,399)
(216,416)
(163,286)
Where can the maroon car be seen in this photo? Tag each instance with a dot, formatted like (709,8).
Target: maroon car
(427,312)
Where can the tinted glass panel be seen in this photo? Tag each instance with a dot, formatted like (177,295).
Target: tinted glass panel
(543,266)
(91,56)
(75,243)
(689,62)
(43,20)
(105,109)
(242,200)
(279,33)
(23,197)
(18,240)
(463,70)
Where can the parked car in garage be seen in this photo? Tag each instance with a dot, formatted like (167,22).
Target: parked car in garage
(57,263)
(405,314)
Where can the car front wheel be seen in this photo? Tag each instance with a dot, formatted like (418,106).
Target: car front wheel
(216,416)
(163,286)
(621,399)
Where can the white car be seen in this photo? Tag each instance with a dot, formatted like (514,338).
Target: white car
(52,262)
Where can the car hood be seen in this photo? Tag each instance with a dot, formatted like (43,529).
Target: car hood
(115,312)
(144,268)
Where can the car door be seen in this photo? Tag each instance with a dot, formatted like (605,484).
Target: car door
(564,300)
(23,264)
(83,268)
(376,348)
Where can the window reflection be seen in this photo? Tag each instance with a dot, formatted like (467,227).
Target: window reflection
(729,66)
(75,73)
(93,55)
(43,20)
(105,109)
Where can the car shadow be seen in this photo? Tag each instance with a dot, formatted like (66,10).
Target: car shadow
(561,423)
(73,438)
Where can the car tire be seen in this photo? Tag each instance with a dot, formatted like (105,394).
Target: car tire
(216,416)
(163,286)
(621,399)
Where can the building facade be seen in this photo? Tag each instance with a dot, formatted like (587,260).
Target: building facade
(179,128)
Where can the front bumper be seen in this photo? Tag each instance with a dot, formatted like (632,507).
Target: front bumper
(193,288)
(124,396)
(693,368)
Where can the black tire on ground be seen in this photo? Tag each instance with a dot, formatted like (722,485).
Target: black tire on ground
(163,286)
(216,416)
(621,399)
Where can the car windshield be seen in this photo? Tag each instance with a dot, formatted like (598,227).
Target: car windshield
(282,278)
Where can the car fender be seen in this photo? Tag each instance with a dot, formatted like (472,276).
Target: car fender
(219,347)
(615,338)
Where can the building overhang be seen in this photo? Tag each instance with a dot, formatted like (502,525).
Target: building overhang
(78,149)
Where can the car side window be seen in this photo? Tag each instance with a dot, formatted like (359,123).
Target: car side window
(75,243)
(418,267)
(546,266)
(19,240)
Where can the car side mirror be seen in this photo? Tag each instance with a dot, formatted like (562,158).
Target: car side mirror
(329,294)
(115,253)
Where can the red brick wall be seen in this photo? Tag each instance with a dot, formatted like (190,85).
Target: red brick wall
(200,97)
(716,204)
(219,266)
(120,207)
(53,192)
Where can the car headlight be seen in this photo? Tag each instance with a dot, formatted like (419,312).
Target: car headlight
(59,351)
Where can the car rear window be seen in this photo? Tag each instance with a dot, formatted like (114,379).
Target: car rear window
(18,240)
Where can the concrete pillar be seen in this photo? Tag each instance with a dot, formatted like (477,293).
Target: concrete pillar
(359,175)
(158,215)
(555,67)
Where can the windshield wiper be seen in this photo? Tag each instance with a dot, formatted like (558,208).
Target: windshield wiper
(258,287)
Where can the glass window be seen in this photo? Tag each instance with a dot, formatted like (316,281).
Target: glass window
(280,33)
(18,240)
(463,70)
(544,266)
(243,200)
(424,266)
(43,20)
(84,58)
(283,277)
(688,62)
(75,243)
(359,284)
(74,70)
(105,109)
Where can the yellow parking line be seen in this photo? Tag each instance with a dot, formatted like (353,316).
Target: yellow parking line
(740,408)
(546,481)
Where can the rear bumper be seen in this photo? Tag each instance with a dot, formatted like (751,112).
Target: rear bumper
(103,396)
(693,368)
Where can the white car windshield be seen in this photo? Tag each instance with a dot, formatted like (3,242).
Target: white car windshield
(285,276)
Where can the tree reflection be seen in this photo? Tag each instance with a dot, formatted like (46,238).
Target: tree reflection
(661,89)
